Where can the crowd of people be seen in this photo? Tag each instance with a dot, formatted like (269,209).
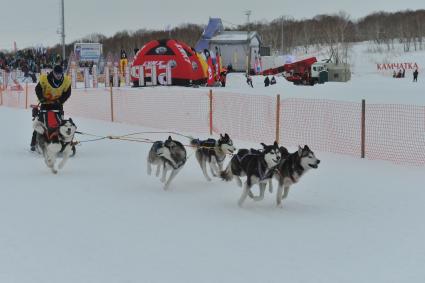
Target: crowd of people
(30,61)
(402,72)
(399,74)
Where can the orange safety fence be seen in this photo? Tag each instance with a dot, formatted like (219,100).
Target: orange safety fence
(393,132)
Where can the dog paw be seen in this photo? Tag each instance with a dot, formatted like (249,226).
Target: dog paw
(54,171)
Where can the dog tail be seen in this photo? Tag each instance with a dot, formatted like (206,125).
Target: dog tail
(227,174)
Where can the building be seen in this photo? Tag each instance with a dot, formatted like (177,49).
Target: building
(339,73)
(234,46)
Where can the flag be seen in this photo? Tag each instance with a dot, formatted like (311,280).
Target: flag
(210,81)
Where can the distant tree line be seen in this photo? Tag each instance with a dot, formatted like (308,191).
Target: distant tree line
(333,32)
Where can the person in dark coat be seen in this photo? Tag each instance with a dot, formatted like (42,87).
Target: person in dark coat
(415,75)
(249,80)
(266,81)
(273,81)
(52,91)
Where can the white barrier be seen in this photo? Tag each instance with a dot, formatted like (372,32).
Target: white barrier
(94,74)
(86,78)
(127,75)
(107,82)
(116,76)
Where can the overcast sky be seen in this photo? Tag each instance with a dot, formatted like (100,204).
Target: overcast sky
(31,23)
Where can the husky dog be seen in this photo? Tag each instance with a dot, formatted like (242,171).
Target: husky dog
(51,142)
(213,152)
(170,155)
(290,170)
(284,153)
(257,165)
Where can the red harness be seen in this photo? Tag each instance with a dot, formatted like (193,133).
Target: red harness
(52,123)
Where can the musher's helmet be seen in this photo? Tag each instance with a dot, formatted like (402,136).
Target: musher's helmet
(58,72)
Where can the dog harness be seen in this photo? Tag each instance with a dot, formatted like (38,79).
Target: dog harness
(292,169)
(209,146)
(263,172)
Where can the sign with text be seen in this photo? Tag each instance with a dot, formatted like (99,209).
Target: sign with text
(397,66)
(88,51)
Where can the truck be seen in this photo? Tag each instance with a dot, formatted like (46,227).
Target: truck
(304,72)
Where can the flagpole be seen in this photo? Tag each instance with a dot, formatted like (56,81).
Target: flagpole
(63,28)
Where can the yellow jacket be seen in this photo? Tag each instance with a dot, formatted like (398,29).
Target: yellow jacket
(50,94)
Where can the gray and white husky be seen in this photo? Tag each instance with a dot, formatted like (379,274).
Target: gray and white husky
(291,169)
(170,155)
(257,165)
(51,142)
(212,152)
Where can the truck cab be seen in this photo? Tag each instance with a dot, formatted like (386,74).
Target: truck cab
(319,71)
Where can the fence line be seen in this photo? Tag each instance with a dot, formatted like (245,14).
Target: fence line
(392,132)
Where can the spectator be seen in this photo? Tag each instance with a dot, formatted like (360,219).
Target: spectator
(266,81)
(273,81)
(249,80)
(223,78)
(229,68)
(394,74)
(415,75)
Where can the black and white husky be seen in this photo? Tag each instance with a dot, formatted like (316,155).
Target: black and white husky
(291,169)
(256,165)
(51,142)
(170,155)
(212,152)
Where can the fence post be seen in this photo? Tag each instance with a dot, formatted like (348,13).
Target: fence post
(1,95)
(26,95)
(277,118)
(112,104)
(363,141)
(211,112)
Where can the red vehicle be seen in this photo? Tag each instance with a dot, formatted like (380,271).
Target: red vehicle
(300,72)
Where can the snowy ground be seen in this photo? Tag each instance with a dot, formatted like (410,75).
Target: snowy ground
(102,219)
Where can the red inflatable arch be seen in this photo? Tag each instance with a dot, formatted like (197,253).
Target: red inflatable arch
(185,66)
